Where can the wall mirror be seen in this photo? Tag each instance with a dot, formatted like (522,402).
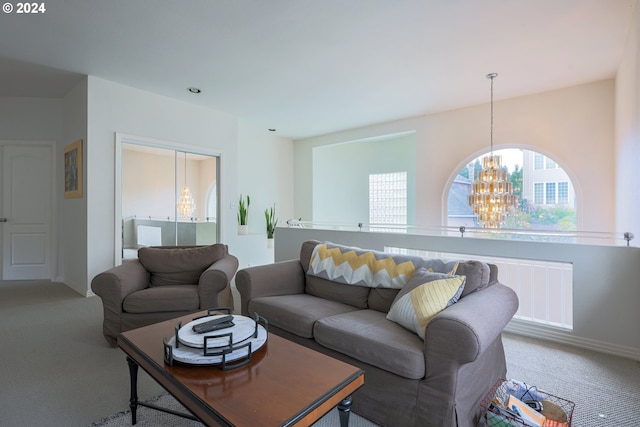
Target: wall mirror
(168,196)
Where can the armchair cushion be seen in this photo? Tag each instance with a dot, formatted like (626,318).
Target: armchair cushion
(163,299)
(179,266)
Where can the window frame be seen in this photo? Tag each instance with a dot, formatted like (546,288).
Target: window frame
(563,188)
(550,197)
(538,193)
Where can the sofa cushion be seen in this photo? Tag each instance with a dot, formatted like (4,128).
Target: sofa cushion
(368,336)
(179,265)
(477,274)
(381,299)
(425,295)
(296,313)
(306,250)
(163,298)
(356,296)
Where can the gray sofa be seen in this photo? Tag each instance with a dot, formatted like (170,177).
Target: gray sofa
(435,378)
(163,283)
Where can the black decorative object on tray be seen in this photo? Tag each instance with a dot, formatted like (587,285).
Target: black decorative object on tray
(216,339)
(215,324)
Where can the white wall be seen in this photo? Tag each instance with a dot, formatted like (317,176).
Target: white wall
(575,126)
(259,161)
(341,176)
(72,223)
(31,118)
(42,119)
(628,132)
(265,173)
(116,108)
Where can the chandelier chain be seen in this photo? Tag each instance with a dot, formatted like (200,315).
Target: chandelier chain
(491,116)
(491,77)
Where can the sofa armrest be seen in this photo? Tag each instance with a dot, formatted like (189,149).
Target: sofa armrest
(464,355)
(116,283)
(215,280)
(462,332)
(280,278)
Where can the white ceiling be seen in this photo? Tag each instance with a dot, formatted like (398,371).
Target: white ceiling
(309,67)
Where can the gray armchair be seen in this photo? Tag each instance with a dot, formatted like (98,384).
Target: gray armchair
(163,283)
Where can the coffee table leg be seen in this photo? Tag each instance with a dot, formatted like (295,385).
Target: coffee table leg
(344,410)
(133,400)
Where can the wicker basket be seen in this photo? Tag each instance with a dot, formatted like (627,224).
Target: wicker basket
(558,411)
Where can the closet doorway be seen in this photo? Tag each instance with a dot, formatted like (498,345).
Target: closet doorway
(168,195)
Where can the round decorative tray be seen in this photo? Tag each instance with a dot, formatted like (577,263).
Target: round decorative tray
(243,328)
(226,347)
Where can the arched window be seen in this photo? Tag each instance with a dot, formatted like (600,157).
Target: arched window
(546,196)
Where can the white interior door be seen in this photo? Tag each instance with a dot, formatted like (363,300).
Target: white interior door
(26,211)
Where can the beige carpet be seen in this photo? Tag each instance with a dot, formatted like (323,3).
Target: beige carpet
(151,418)
(604,388)
(57,370)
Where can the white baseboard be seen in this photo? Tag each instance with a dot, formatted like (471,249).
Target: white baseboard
(550,333)
(78,288)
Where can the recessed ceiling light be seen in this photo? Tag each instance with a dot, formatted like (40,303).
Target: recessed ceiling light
(194,90)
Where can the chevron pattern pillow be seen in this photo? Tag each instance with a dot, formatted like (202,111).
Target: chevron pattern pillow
(425,295)
(361,267)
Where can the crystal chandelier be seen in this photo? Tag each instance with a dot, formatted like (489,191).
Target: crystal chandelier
(492,196)
(186,204)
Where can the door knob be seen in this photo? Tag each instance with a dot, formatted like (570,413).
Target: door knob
(3,220)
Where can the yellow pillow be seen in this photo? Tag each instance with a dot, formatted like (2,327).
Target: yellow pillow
(425,295)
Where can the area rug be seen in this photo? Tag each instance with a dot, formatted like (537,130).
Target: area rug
(147,417)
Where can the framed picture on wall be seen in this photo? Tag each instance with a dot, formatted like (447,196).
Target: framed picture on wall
(73,170)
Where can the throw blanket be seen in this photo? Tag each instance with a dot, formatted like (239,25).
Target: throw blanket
(354,266)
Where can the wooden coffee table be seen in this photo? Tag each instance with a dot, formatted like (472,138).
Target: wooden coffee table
(285,384)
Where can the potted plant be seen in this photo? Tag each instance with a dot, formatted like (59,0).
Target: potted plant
(272,221)
(243,213)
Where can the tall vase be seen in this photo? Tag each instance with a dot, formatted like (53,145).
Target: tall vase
(270,242)
(243,229)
